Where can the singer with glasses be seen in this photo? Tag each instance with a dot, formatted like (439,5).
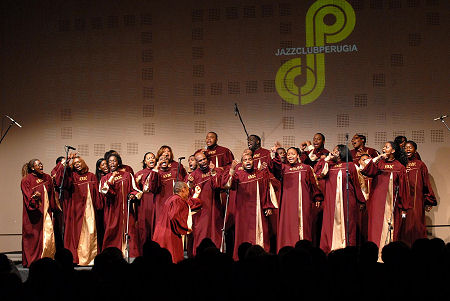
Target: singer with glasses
(117,186)
(389,198)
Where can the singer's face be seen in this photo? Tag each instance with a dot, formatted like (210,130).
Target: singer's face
(167,153)
(363,158)
(113,163)
(202,161)
(77,164)
(150,160)
(282,153)
(356,141)
(247,162)
(104,167)
(335,152)
(292,156)
(388,149)
(253,143)
(38,167)
(163,162)
(192,163)
(211,139)
(318,141)
(403,143)
(410,150)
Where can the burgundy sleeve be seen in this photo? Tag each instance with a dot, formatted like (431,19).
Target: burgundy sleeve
(355,182)
(178,218)
(371,169)
(30,203)
(428,195)
(316,194)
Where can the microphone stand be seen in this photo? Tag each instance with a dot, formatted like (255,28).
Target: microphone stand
(236,112)
(127,234)
(442,118)
(61,186)
(4,135)
(391,228)
(348,193)
(222,243)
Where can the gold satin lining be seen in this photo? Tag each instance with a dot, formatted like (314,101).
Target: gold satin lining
(338,241)
(124,223)
(273,196)
(362,183)
(388,213)
(87,246)
(217,161)
(259,226)
(300,207)
(48,242)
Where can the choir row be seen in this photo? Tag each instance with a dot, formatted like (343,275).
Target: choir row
(272,198)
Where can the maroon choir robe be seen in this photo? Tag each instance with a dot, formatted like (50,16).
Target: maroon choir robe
(356,153)
(312,155)
(115,206)
(173,224)
(80,232)
(38,239)
(388,177)
(335,214)
(252,198)
(219,155)
(164,189)
(208,222)
(147,183)
(300,191)
(127,169)
(262,155)
(421,195)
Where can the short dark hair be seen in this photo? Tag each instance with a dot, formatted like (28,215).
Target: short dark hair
(344,152)
(363,138)
(256,137)
(400,139)
(119,159)
(322,135)
(413,144)
(215,134)
(59,159)
(179,186)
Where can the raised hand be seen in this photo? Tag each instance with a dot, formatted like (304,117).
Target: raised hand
(234,164)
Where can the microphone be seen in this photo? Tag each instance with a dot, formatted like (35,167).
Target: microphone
(440,118)
(236,110)
(346,136)
(70,147)
(13,121)
(181,158)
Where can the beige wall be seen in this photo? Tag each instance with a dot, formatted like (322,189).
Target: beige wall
(133,75)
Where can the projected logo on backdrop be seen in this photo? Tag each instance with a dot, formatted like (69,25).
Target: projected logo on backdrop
(318,36)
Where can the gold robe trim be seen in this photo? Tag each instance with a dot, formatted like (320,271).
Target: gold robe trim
(387,237)
(300,207)
(48,241)
(87,246)
(259,227)
(338,241)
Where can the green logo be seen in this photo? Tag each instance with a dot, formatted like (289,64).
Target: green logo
(318,34)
